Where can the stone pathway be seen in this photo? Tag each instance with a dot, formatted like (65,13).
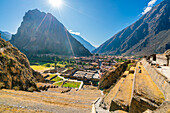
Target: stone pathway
(98,108)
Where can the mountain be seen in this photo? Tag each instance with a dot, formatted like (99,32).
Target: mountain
(85,43)
(15,70)
(6,36)
(150,34)
(42,33)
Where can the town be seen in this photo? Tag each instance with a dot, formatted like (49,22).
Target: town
(79,70)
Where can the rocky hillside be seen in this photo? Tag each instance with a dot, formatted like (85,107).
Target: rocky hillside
(85,43)
(15,71)
(150,34)
(42,33)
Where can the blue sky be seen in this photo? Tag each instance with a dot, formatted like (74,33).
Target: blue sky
(95,20)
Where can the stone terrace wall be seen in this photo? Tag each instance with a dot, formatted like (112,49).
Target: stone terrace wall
(160,80)
(111,77)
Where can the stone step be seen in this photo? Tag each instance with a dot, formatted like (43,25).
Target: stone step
(123,97)
(112,93)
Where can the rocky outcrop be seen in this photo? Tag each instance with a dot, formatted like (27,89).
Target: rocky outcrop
(41,33)
(149,35)
(15,71)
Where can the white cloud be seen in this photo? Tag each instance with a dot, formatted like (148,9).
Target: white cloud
(146,10)
(152,2)
(149,7)
(72,32)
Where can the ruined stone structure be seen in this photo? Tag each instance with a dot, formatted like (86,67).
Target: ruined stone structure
(161,59)
(139,89)
(112,76)
(161,80)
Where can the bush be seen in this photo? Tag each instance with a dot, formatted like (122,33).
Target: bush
(31,89)
(2,85)
(16,88)
(47,65)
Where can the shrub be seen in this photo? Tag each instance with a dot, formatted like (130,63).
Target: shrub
(2,85)
(16,88)
(47,65)
(31,89)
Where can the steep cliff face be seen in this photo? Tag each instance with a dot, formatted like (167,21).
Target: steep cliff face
(42,33)
(150,34)
(15,69)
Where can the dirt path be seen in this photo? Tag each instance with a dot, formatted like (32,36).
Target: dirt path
(72,102)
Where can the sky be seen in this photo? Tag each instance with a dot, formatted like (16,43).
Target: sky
(95,20)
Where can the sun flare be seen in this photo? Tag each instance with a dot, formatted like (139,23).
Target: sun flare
(55,3)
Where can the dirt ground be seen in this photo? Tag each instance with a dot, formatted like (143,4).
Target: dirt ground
(48,101)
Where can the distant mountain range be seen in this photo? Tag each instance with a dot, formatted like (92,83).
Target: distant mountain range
(42,33)
(6,36)
(150,34)
(85,43)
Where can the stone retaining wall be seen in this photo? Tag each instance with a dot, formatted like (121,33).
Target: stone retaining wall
(112,77)
(161,81)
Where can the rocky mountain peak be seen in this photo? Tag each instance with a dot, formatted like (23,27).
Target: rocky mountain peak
(42,33)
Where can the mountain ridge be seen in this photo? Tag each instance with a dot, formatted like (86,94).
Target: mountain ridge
(143,36)
(85,43)
(42,33)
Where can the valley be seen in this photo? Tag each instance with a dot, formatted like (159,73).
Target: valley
(47,67)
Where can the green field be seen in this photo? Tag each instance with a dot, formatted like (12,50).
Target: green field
(56,79)
(58,83)
(72,84)
(40,67)
(52,75)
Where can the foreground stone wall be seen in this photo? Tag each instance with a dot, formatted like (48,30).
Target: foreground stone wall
(161,81)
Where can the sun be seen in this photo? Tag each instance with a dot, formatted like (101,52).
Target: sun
(55,3)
